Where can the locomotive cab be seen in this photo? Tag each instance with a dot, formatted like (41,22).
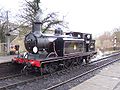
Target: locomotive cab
(87,43)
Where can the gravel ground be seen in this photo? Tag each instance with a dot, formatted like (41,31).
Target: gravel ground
(7,69)
(57,78)
(9,81)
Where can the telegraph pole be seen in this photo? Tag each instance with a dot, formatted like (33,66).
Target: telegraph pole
(7,34)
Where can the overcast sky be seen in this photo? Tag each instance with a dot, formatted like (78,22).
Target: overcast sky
(92,16)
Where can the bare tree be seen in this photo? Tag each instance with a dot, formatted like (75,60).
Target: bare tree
(49,21)
(104,41)
(3,25)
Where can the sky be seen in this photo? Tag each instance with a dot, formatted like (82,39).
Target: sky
(91,16)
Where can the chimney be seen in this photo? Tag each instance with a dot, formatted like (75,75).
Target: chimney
(37,25)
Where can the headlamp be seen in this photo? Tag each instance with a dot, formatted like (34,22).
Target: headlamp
(35,49)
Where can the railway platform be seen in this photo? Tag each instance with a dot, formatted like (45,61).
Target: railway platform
(4,59)
(107,79)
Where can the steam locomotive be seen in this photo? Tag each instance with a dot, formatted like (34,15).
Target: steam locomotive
(52,51)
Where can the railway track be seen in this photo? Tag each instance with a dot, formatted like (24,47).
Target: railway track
(105,57)
(25,79)
(78,76)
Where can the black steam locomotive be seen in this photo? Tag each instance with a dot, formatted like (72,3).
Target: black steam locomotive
(58,44)
(46,51)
